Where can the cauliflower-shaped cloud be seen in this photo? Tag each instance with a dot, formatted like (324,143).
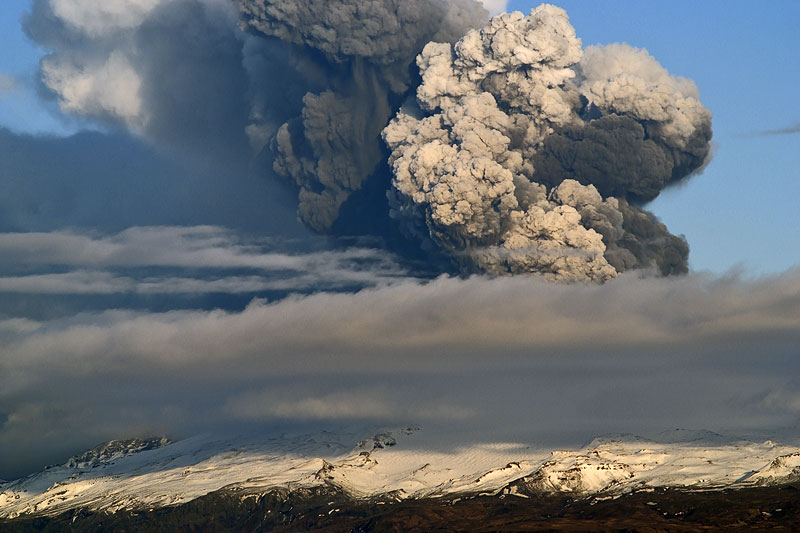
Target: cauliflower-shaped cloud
(521,151)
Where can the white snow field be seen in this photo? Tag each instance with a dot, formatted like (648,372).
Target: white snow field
(396,464)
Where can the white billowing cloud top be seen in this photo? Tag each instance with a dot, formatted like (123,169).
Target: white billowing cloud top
(99,18)
(110,86)
(495,6)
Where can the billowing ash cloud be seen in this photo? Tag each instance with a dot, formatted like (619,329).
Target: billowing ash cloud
(523,153)
(361,53)
(652,129)
(179,73)
(183,74)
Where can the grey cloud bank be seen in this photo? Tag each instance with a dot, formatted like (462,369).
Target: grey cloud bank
(631,355)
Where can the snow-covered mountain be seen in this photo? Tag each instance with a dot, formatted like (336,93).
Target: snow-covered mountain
(693,460)
(390,465)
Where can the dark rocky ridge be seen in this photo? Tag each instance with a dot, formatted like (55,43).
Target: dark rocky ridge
(116,449)
(321,509)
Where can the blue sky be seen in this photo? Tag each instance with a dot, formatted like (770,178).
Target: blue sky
(20,108)
(740,213)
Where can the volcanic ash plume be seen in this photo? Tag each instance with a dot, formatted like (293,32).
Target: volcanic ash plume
(521,152)
(358,55)
(525,153)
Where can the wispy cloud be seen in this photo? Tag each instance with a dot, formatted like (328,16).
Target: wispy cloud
(789,130)
(171,246)
(93,282)
(196,259)
(360,403)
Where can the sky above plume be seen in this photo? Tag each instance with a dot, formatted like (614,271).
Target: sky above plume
(195,233)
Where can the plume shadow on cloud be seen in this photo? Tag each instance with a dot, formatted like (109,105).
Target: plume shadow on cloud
(113,181)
